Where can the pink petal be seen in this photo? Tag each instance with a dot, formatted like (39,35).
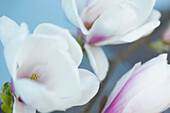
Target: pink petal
(147,76)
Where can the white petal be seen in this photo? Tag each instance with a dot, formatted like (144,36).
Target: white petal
(11,49)
(152,23)
(71,11)
(64,75)
(144,30)
(40,44)
(22,108)
(121,18)
(84,4)
(144,8)
(36,95)
(120,84)
(90,14)
(90,86)
(7,29)
(43,99)
(154,99)
(74,48)
(47,58)
(98,61)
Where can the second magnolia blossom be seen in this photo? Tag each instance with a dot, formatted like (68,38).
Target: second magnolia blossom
(105,22)
(144,89)
(44,68)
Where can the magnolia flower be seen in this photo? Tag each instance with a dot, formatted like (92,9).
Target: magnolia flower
(144,89)
(44,68)
(105,22)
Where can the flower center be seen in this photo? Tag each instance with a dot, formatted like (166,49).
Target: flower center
(34,76)
(88,25)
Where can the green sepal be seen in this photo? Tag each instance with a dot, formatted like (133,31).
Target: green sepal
(6,98)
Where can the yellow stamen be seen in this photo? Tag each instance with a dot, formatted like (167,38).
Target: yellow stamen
(34,76)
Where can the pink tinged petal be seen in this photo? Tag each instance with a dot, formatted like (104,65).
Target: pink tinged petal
(144,30)
(7,29)
(147,76)
(89,86)
(43,99)
(97,39)
(36,95)
(22,108)
(114,21)
(120,85)
(74,48)
(71,10)
(12,48)
(49,56)
(90,14)
(98,61)
(155,99)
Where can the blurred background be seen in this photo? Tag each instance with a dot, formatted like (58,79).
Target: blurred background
(34,12)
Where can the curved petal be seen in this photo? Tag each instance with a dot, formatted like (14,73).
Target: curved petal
(147,76)
(144,8)
(154,99)
(114,20)
(46,59)
(7,29)
(90,14)
(22,108)
(84,4)
(144,30)
(120,84)
(71,11)
(74,48)
(40,43)
(12,48)
(98,61)
(90,86)
(41,98)
(36,95)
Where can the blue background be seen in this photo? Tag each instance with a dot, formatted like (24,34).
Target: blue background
(34,12)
